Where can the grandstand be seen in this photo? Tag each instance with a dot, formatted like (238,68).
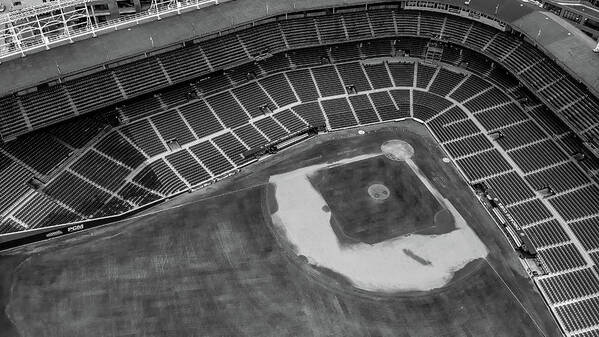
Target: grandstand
(176,121)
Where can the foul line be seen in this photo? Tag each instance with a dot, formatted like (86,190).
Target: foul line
(516,297)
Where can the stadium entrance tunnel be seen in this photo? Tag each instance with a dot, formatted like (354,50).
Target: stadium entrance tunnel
(375,220)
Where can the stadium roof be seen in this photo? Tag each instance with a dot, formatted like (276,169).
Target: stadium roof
(570,47)
(581,7)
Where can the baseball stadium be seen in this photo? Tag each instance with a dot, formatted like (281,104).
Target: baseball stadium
(299,168)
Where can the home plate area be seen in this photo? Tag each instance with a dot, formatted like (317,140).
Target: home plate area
(376,220)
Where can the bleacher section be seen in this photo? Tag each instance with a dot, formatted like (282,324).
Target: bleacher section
(189,134)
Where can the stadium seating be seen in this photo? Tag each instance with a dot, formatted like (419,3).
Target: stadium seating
(339,113)
(273,130)
(201,97)
(378,75)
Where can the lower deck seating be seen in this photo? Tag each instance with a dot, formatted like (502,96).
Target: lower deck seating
(445,82)
(14,180)
(498,117)
(9,226)
(290,121)
(302,82)
(363,109)
(339,113)
(387,110)
(115,146)
(482,165)
(279,89)
(271,128)
(94,166)
(537,156)
(530,212)
(402,74)
(580,315)
(42,211)
(253,98)
(188,167)
(311,113)
(200,118)
(212,158)
(114,205)
(546,233)
(328,81)
(171,126)
(468,146)
(352,74)
(137,195)
(250,136)
(424,75)
(81,196)
(142,134)
(510,187)
(520,134)
(40,151)
(226,107)
(488,98)
(577,204)
(562,258)
(378,75)
(232,148)
(160,178)
(559,178)
(434,102)
(587,231)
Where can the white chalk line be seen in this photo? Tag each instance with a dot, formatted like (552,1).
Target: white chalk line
(516,297)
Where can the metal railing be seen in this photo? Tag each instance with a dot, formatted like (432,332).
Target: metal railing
(41,27)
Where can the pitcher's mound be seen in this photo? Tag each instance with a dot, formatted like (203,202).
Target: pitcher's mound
(378,191)
(397,150)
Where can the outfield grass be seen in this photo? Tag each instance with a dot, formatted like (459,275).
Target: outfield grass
(214,266)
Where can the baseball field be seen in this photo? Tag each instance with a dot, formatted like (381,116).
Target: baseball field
(347,234)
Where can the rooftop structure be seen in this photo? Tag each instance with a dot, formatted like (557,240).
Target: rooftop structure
(45,26)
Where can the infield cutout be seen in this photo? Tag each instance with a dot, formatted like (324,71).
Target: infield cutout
(397,150)
(378,192)
(413,262)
